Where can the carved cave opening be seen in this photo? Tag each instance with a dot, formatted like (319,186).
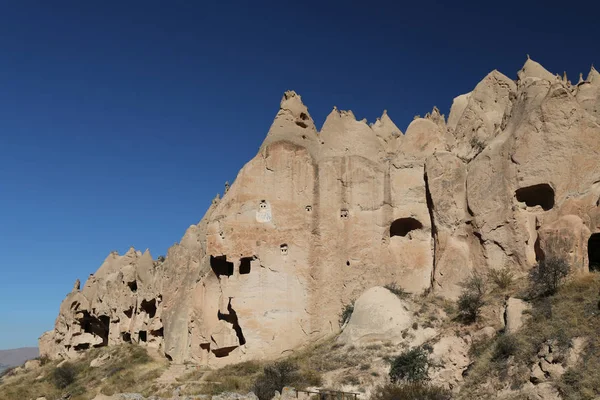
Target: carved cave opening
(98,326)
(143,336)
(245,265)
(149,307)
(126,336)
(133,286)
(537,195)
(129,312)
(221,266)
(157,333)
(402,226)
(594,252)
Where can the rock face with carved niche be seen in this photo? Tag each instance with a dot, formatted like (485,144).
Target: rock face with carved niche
(316,218)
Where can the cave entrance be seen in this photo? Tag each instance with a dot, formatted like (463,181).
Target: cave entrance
(245,265)
(537,195)
(402,226)
(143,336)
(221,266)
(594,252)
(149,307)
(98,326)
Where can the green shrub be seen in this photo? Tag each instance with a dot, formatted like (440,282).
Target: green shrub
(397,290)
(547,276)
(469,306)
(410,391)
(502,278)
(63,376)
(275,377)
(506,346)
(346,313)
(410,366)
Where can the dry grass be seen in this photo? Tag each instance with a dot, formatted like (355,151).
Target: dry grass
(128,369)
(572,312)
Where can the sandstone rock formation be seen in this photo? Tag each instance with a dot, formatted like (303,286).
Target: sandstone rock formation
(318,217)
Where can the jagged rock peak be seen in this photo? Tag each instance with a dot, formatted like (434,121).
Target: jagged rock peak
(435,116)
(533,69)
(593,76)
(385,124)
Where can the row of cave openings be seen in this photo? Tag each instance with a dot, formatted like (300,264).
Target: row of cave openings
(100,326)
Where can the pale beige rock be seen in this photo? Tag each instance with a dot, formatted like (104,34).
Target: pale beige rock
(100,361)
(317,218)
(30,365)
(515,314)
(450,358)
(378,316)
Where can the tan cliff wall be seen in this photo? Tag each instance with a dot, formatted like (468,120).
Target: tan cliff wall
(318,217)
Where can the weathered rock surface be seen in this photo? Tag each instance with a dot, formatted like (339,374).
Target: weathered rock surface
(514,314)
(317,218)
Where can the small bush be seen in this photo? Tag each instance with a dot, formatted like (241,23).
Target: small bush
(506,346)
(274,378)
(161,258)
(469,306)
(397,290)
(346,313)
(63,376)
(410,391)
(476,283)
(502,278)
(547,276)
(410,366)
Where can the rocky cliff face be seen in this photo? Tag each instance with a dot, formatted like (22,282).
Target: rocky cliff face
(318,217)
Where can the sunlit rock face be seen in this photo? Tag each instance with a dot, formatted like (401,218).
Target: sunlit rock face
(316,218)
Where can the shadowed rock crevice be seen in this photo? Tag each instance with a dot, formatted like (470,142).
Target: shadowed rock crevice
(232,318)
(537,195)
(98,326)
(245,265)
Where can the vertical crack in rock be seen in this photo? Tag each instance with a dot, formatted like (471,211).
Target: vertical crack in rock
(232,318)
(429,201)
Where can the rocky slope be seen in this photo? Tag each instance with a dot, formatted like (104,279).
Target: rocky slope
(316,218)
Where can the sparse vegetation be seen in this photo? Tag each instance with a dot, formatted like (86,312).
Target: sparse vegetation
(346,313)
(161,258)
(471,299)
(410,391)
(572,312)
(397,290)
(410,366)
(128,368)
(502,278)
(63,376)
(547,276)
(278,375)
(477,144)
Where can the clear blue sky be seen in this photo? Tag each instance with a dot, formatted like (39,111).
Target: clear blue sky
(120,121)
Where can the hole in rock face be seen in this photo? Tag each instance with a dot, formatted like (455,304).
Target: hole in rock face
(168,357)
(157,333)
(536,195)
(303,116)
(245,265)
(594,252)
(143,336)
(132,286)
(221,266)
(262,205)
(343,213)
(284,249)
(301,124)
(402,226)
(98,326)
(81,346)
(128,312)
(126,336)
(348,263)
(149,307)
(308,208)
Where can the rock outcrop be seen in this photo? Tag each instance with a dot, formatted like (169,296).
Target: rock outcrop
(316,218)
